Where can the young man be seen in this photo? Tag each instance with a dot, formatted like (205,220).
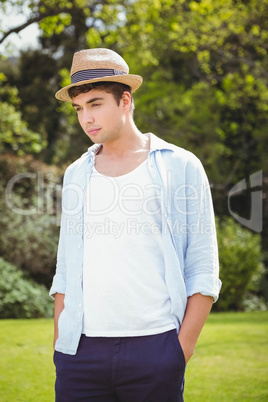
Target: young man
(137,267)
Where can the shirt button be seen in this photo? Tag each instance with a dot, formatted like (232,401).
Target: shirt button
(79,246)
(80,305)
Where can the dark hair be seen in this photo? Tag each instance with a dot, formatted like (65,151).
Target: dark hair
(115,88)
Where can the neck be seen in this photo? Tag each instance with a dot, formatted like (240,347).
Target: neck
(130,140)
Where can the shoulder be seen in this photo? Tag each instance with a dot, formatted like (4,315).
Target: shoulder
(78,163)
(172,153)
(84,159)
(184,166)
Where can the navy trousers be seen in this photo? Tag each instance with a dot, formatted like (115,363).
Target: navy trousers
(126,369)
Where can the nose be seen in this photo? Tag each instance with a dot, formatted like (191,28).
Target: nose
(86,117)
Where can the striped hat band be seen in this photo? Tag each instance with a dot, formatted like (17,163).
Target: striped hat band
(95,73)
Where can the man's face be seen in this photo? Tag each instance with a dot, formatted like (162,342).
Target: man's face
(101,118)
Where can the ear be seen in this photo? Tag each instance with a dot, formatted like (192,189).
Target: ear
(126,100)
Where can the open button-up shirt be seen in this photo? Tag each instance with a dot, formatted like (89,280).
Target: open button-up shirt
(188,233)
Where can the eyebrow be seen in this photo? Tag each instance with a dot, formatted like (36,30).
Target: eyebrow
(89,101)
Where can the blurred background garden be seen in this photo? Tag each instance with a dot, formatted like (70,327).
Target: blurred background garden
(205,70)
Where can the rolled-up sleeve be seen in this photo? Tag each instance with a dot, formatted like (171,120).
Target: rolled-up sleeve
(201,271)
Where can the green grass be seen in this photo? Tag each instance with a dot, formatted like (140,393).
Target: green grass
(26,361)
(230,362)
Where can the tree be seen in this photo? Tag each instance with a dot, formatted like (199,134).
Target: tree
(15,135)
(52,15)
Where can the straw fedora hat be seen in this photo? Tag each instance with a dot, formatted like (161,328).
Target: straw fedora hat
(94,65)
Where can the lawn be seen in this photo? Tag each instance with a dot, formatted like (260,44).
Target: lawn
(230,362)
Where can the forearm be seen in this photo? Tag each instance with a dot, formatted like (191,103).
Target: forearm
(197,311)
(58,307)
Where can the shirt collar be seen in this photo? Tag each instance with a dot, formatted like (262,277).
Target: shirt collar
(157,143)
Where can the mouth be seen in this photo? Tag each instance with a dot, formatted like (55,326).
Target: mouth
(93,131)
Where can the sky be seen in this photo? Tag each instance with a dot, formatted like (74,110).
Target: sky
(15,42)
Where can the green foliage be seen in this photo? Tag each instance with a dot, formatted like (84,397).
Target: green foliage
(55,24)
(14,132)
(240,266)
(29,216)
(36,78)
(21,297)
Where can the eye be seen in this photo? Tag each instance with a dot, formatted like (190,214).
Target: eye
(78,109)
(95,104)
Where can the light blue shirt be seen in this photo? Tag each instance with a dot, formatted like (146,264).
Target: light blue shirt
(188,233)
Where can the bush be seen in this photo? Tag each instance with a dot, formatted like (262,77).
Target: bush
(30,243)
(29,240)
(21,297)
(240,267)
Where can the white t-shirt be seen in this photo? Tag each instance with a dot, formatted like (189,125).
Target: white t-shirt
(124,287)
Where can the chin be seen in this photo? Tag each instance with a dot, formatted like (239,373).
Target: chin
(93,139)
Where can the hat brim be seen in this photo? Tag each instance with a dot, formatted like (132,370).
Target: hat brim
(133,81)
